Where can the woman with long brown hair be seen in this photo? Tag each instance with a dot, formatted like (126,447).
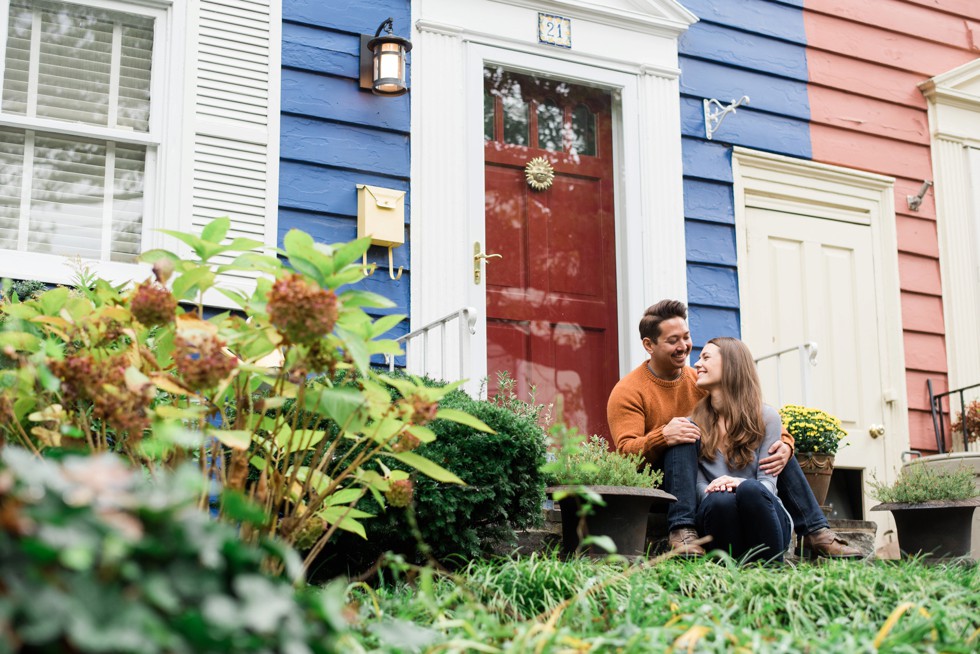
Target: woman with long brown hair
(737,502)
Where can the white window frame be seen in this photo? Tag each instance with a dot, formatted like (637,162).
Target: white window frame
(162,165)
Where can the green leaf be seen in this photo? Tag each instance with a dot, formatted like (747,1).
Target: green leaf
(191,240)
(235,505)
(215,231)
(338,404)
(20,341)
(426,467)
(344,518)
(463,418)
(424,434)
(356,298)
(348,253)
(385,323)
(152,256)
(605,542)
(345,496)
(52,301)
(185,286)
(355,347)
(242,243)
(237,439)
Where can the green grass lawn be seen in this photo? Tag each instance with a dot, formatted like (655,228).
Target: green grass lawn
(541,604)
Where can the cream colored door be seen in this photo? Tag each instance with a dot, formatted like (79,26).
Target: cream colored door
(813,279)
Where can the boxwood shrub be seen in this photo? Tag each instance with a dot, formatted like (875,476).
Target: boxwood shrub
(504,494)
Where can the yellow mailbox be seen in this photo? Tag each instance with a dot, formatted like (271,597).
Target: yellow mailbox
(381,215)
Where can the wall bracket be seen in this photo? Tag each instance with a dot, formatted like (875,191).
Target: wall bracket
(715,112)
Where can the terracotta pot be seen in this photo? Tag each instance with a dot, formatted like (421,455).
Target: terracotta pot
(817,468)
(623,518)
(939,529)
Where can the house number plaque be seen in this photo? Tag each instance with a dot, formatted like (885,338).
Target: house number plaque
(555,30)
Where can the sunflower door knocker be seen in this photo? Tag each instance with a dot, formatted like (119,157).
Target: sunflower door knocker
(539,174)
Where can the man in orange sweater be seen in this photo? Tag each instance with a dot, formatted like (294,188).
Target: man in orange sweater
(647,413)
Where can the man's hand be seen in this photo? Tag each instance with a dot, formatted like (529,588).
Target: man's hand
(681,430)
(724,484)
(779,453)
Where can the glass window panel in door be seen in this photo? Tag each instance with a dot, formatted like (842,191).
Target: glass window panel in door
(550,126)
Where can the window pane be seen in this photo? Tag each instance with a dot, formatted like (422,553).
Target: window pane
(488,116)
(583,131)
(515,118)
(11,178)
(549,126)
(67,195)
(127,203)
(92,66)
(67,212)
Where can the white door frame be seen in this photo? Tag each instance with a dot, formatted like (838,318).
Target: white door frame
(447,191)
(838,193)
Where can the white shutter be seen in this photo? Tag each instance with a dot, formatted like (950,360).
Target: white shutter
(235,125)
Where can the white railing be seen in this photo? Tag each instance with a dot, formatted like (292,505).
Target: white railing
(807,353)
(426,348)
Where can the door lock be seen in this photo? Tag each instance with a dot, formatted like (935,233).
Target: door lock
(478,256)
(876,430)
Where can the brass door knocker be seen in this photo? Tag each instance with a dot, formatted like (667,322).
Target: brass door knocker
(539,174)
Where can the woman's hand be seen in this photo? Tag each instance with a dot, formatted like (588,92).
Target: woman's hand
(724,484)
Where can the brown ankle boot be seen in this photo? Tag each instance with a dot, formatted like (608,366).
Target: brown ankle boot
(826,543)
(682,541)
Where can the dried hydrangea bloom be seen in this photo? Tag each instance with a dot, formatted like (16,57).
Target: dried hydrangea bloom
(153,305)
(405,442)
(103,385)
(202,361)
(399,493)
(301,311)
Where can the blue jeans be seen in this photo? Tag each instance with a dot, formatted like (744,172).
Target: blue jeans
(795,493)
(748,523)
(680,468)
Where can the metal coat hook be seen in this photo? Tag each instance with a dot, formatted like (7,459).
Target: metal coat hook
(915,201)
(369,268)
(713,117)
(391,266)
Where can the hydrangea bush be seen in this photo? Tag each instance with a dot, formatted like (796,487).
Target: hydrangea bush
(812,429)
(143,373)
(968,420)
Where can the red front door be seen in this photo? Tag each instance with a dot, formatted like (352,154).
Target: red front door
(551,299)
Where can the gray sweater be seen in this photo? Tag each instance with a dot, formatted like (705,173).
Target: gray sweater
(708,471)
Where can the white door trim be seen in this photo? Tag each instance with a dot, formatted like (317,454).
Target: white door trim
(777,182)
(447,192)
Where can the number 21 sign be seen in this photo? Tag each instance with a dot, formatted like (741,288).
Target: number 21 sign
(555,30)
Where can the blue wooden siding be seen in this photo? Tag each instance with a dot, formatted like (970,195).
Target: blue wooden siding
(739,47)
(335,135)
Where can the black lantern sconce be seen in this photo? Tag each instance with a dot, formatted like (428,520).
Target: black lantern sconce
(383,61)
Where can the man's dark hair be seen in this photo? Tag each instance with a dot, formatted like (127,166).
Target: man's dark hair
(659,312)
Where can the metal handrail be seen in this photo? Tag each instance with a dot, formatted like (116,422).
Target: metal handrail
(808,354)
(467,327)
(941,415)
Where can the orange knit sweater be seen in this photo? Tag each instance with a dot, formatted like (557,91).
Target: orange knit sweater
(641,405)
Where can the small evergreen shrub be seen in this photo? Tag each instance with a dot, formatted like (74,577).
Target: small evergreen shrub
(503,493)
(97,558)
(917,483)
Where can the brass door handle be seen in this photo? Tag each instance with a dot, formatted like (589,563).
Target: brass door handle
(876,430)
(478,256)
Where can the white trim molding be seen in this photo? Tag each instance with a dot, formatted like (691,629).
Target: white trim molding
(453,43)
(954,122)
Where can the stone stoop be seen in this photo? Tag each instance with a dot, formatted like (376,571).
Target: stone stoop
(859,533)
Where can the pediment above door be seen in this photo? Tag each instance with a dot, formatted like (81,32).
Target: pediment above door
(641,14)
(960,86)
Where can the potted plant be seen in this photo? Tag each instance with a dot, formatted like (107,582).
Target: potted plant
(605,497)
(933,509)
(817,435)
(967,423)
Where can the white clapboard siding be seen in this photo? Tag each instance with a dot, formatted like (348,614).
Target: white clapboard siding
(234,150)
